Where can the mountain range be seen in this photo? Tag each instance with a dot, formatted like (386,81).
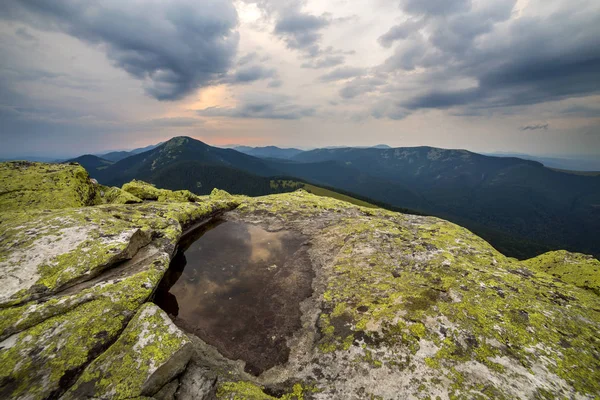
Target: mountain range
(520,206)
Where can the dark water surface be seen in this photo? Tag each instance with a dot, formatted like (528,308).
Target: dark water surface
(238,287)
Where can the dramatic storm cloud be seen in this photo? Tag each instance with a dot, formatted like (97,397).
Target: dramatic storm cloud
(488,75)
(506,63)
(174,47)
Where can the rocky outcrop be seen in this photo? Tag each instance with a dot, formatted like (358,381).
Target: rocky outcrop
(578,269)
(149,353)
(72,277)
(416,307)
(28,185)
(402,306)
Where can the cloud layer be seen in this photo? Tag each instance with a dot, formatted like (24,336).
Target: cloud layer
(340,72)
(173,47)
(261,106)
(482,57)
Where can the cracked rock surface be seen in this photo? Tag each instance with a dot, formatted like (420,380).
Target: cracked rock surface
(72,277)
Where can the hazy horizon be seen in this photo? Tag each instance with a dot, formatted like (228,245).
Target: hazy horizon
(592,162)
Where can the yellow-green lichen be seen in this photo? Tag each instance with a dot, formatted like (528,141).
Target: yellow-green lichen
(30,185)
(114,195)
(147,191)
(243,390)
(124,370)
(578,269)
(42,355)
(399,283)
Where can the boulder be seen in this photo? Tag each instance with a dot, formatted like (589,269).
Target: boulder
(33,185)
(149,353)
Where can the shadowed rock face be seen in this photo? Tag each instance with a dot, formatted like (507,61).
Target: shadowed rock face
(239,288)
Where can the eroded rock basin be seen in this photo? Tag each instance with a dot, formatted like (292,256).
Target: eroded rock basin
(238,287)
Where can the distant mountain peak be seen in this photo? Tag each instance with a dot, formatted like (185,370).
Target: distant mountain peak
(177,141)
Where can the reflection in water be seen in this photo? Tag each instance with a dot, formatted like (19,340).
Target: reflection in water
(238,287)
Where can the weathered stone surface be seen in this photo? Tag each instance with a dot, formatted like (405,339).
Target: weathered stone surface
(43,251)
(31,185)
(168,391)
(148,354)
(416,307)
(72,278)
(198,383)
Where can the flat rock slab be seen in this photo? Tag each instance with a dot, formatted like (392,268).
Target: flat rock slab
(148,354)
(42,252)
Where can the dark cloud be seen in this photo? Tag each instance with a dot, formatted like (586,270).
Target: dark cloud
(175,47)
(248,58)
(535,127)
(324,62)
(399,32)
(486,61)
(24,34)
(435,7)
(301,31)
(342,73)
(263,106)
(252,73)
(360,86)
(275,83)
(444,99)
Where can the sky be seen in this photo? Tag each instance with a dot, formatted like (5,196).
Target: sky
(86,76)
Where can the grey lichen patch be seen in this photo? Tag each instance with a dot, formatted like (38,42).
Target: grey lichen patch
(149,353)
(31,185)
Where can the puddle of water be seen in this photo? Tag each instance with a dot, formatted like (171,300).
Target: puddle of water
(238,287)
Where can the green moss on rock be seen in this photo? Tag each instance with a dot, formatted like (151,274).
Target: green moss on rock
(114,195)
(37,362)
(418,298)
(243,390)
(31,185)
(148,354)
(147,191)
(578,269)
